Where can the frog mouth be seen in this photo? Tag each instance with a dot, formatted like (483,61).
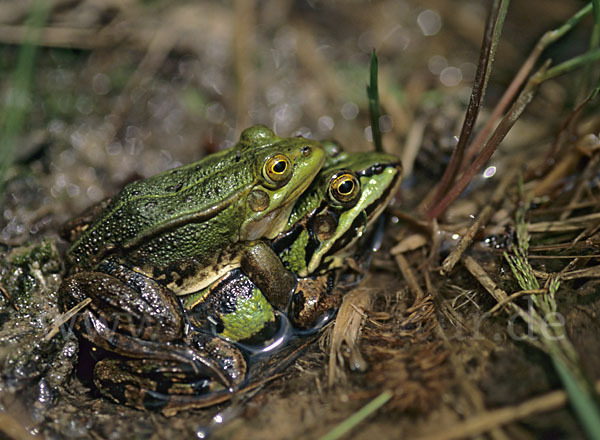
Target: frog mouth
(270,225)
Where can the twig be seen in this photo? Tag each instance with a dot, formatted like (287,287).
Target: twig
(65,317)
(56,37)
(590,272)
(515,296)
(563,167)
(564,132)
(548,38)
(571,224)
(492,144)
(560,257)
(409,277)
(482,219)
(584,180)
(544,211)
(6,295)
(414,140)
(488,284)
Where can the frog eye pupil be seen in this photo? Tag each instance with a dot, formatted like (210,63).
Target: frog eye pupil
(279,167)
(346,187)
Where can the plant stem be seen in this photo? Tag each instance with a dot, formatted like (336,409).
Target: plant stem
(491,37)
(356,418)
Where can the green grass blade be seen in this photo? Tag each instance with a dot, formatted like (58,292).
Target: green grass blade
(351,422)
(595,38)
(580,398)
(17,103)
(374,107)
(573,63)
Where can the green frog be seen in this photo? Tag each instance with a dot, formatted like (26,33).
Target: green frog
(178,232)
(190,225)
(343,200)
(323,230)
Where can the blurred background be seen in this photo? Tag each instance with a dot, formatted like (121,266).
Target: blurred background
(123,89)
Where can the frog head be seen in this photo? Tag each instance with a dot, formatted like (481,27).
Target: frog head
(348,195)
(282,172)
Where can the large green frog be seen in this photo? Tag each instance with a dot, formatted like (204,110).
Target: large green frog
(323,228)
(178,232)
(188,226)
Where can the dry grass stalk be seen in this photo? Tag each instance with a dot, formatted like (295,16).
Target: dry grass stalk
(410,243)
(63,318)
(588,272)
(571,224)
(586,176)
(489,44)
(409,277)
(484,279)
(483,422)
(346,333)
(515,296)
(412,146)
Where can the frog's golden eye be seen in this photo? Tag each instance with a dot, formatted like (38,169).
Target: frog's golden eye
(344,188)
(278,169)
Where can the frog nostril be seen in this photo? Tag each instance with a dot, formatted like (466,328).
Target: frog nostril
(306,151)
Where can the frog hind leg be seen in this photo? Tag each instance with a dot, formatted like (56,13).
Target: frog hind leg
(262,265)
(133,316)
(168,386)
(128,302)
(172,386)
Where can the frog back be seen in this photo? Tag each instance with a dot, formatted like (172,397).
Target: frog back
(192,194)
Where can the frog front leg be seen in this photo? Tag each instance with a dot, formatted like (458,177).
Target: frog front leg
(232,308)
(265,269)
(133,316)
